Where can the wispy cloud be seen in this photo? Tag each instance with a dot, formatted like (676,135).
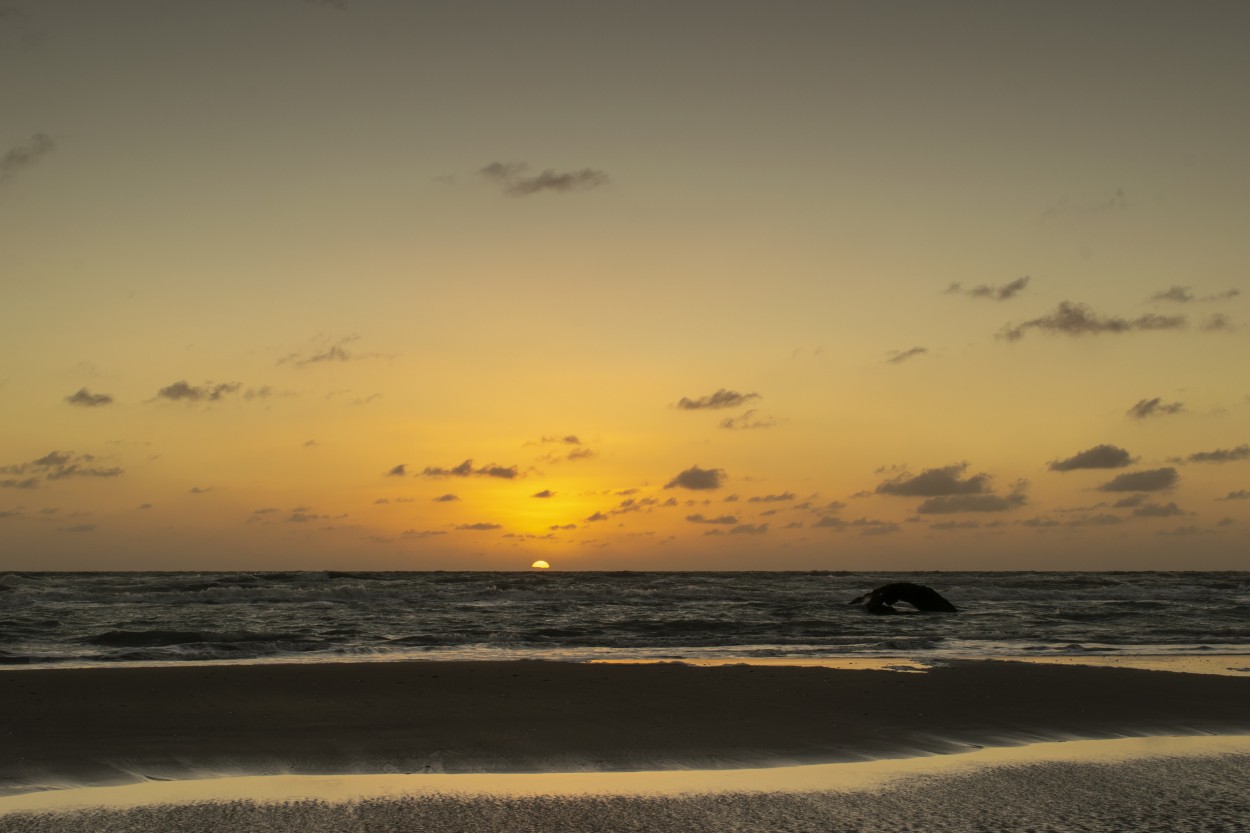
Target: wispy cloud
(87,399)
(1240,494)
(545,493)
(749,529)
(1158,510)
(398,471)
(21,157)
(513,178)
(900,356)
(950,504)
(1002,292)
(778,498)
(1219,455)
(1151,480)
(748,421)
(447,498)
(1072,207)
(466,469)
(1184,295)
(1146,408)
(328,352)
(697,479)
(1099,457)
(1075,319)
(181,391)
(479,527)
(721,399)
(720,519)
(55,465)
(935,483)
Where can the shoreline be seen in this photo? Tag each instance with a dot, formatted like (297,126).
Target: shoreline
(83,727)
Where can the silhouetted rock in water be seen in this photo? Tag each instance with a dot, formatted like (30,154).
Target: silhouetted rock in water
(882,599)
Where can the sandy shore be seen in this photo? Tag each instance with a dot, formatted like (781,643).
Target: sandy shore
(63,727)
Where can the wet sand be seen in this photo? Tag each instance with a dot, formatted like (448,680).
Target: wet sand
(67,727)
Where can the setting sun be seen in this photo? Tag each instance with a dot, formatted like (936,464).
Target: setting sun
(540,565)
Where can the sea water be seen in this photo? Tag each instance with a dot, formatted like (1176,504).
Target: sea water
(107,618)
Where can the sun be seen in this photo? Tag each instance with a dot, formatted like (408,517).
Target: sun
(540,565)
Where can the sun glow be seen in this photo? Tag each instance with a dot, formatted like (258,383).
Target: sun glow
(540,565)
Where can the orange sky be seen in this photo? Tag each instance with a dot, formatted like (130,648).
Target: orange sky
(366,284)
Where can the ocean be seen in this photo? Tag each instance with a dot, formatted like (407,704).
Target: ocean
(111,618)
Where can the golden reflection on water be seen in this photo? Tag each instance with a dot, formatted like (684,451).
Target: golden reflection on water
(840,777)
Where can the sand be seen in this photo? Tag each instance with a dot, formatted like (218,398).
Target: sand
(73,727)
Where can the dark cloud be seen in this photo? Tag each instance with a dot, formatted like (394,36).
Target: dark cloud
(572,456)
(512,178)
(19,158)
(55,465)
(949,504)
(697,479)
(200,490)
(784,496)
(466,469)
(900,356)
(328,352)
(1130,501)
(558,527)
(1218,323)
(1183,295)
(1240,494)
(1158,510)
(305,517)
(87,399)
(748,420)
(598,516)
(24,483)
(749,529)
(398,471)
(1104,519)
(948,525)
(721,399)
(1002,292)
(935,483)
(479,527)
(545,493)
(871,526)
(1220,455)
(447,498)
(1076,319)
(567,439)
(1099,457)
(1147,408)
(1151,480)
(830,522)
(181,391)
(722,519)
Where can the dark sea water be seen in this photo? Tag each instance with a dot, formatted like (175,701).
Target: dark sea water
(108,618)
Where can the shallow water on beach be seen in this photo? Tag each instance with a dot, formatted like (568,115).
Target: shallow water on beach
(144,618)
(1142,784)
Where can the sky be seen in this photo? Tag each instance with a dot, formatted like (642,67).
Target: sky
(369,284)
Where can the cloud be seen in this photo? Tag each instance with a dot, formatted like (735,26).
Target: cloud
(784,496)
(567,439)
(199,490)
(722,519)
(479,527)
(1183,295)
(14,483)
(697,479)
(830,522)
(1240,494)
(1104,519)
(572,456)
(1158,510)
(1218,323)
(1075,319)
(598,516)
(466,469)
(935,483)
(1220,455)
(87,399)
(749,529)
(558,527)
(398,471)
(721,399)
(748,421)
(1002,292)
(511,177)
(1126,502)
(1099,457)
(19,158)
(1147,408)
(447,498)
(55,465)
(545,493)
(329,352)
(900,356)
(1151,480)
(208,392)
(947,525)
(948,504)
(871,526)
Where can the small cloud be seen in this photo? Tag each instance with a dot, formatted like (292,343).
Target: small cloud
(55,465)
(567,439)
(199,490)
(935,483)
(1128,502)
(303,517)
(23,156)
(1183,295)
(697,479)
(545,493)
(830,522)
(749,529)
(1240,494)
(87,399)
(398,471)
(512,178)
(558,527)
(1099,457)
(328,353)
(466,469)
(872,526)
(721,399)
(145,506)
(1002,292)
(571,456)
(1147,408)
(1157,510)
(949,525)
(447,498)
(1181,531)
(1218,323)
(748,421)
(900,356)
(948,504)
(1220,455)
(311,444)
(784,496)
(1074,319)
(479,527)
(722,519)
(598,516)
(1104,519)
(181,391)
(25,483)
(1152,480)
